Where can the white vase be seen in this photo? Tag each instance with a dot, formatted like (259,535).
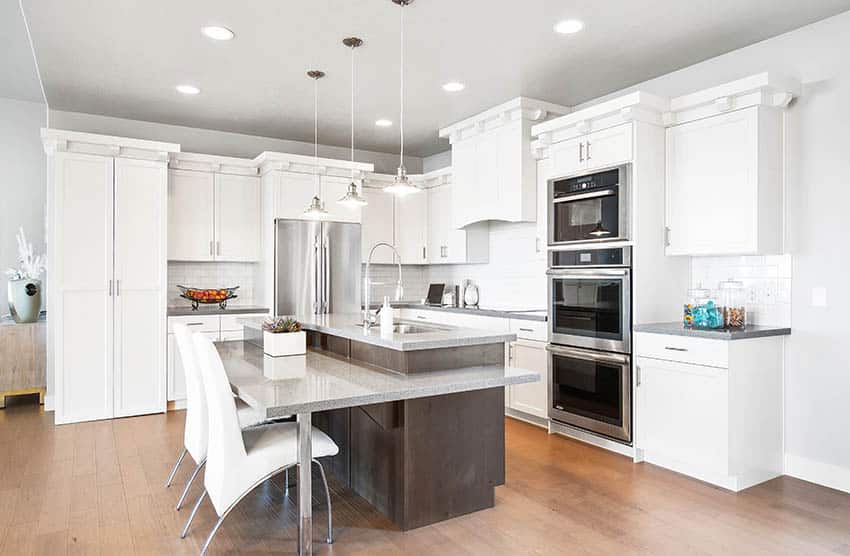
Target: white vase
(284,343)
(25,299)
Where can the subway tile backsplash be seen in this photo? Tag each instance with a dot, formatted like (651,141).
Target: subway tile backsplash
(213,275)
(384,277)
(767,279)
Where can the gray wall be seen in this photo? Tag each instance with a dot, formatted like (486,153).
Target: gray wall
(437,161)
(23,181)
(208,141)
(817,361)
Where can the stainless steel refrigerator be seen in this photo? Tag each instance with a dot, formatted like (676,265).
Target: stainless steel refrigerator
(317,267)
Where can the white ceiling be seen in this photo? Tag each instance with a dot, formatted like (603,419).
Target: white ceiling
(18,78)
(124,57)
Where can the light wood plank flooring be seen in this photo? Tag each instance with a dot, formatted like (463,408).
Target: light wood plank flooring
(97,488)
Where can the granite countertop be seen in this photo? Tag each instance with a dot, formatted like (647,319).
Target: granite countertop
(521,314)
(279,386)
(348,325)
(677,329)
(186,310)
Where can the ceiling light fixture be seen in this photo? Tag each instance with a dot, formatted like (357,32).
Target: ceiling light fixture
(218,33)
(188,89)
(401,184)
(453,87)
(352,197)
(383,123)
(569,26)
(316,209)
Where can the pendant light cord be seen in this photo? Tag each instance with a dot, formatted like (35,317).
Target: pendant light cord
(401,88)
(317,185)
(352,110)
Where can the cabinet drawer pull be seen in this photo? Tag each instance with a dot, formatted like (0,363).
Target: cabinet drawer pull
(675,348)
(527,329)
(194,324)
(421,317)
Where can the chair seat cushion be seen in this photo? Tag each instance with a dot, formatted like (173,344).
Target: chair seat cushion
(281,439)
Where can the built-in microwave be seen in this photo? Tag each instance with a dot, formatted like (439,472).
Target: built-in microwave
(590,207)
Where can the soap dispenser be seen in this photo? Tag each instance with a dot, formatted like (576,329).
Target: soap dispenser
(386,316)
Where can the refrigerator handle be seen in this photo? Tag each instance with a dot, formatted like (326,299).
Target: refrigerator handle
(317,279)
(326,274)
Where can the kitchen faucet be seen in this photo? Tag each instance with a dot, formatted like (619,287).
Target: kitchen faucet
(399,290)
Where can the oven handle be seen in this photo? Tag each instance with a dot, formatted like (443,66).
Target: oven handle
(588,355)
(583,196)
(588,272)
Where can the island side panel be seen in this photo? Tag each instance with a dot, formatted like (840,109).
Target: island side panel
(336,424)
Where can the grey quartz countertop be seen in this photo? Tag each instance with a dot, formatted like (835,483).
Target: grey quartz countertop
(348,325)
(186,310)
(522,314)
(279,386)
(677,329)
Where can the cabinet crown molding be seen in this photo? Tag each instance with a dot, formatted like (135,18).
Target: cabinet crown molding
(298,163)
(60,140)
(427,180)
(213,163)
(520,108)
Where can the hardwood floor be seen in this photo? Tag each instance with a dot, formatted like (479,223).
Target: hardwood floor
(98,488)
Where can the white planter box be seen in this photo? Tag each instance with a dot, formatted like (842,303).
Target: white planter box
(285,343)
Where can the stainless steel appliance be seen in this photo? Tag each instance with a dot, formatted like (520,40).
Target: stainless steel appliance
(590,208)
(317,267)
(590,299)
(591,390)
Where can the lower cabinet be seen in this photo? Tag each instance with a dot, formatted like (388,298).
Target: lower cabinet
(711,409)
(531,398)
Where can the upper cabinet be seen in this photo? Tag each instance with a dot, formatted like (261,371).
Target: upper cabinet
(377,225)
(494,170)
(591,151)
(724,169)
(213,209)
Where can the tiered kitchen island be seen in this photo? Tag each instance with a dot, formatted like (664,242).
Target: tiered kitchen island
(418,413)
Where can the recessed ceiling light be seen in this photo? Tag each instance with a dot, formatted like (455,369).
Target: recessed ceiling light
(453,87)
(218,33)
(188,89)
(383,123)
(569,26)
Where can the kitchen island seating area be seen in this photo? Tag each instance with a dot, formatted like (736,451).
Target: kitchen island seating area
(239,449)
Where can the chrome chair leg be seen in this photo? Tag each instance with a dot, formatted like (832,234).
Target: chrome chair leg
(192,515)
(212,534)
(286,483)
(189,484)
(330,537)
(176,465)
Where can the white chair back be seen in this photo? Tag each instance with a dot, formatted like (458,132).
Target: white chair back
(196,431)
(226,449)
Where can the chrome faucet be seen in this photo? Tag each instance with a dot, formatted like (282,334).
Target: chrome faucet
(399,290)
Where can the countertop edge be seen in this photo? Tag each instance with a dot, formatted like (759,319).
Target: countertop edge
(412,344)
(748,333)
(498,313)
(180,311)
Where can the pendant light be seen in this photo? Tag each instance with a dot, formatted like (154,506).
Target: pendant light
(352,198)
(401,183)
(316,210)
(599,231)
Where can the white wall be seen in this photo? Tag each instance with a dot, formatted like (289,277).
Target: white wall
(23,181)
(817,362)
(208,141)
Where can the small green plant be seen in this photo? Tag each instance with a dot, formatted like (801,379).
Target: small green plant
(281,325)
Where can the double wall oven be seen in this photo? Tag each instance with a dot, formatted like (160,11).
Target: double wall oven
(590,308)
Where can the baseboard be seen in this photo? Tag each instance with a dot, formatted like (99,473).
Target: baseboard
(820,473)
(176,405)
(526,418)
(48,403)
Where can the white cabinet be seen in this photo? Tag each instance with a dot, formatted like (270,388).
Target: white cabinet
(107,247)
(377,225)
(599,149)
(447,244)
(411,228)
(544,168)
(531,398)
(294,193)
(724,184)
(213,216)
(711,409)
(494,170)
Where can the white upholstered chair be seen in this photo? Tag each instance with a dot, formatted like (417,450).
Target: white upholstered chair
(195,432)
(239,460)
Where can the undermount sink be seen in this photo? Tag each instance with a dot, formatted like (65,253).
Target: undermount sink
(413,328)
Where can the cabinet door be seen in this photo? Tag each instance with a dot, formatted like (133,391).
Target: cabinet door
(81,271)
(191,202)
(712,187)
(543,171)
(531,398)
(176,371)
(608,147)
(411,228)
(568,157)
(294,194)
(682,412)
(465,180)
(140,277)
(439,223)
(377,225)
(333,188)
(237,218)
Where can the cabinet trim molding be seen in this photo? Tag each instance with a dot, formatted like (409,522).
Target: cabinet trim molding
(60,140)
(520,108)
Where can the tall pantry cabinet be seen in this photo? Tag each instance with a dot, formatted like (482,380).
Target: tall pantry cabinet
(106,289)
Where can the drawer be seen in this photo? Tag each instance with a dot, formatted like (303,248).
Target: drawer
(196,323)
(530,330)
(232,335)
(234,322)
(697,351)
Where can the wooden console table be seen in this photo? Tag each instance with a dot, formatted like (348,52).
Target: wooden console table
(22,359)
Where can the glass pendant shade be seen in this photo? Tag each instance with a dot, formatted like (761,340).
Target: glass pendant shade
(352,198)
(401,184)
(316,210)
